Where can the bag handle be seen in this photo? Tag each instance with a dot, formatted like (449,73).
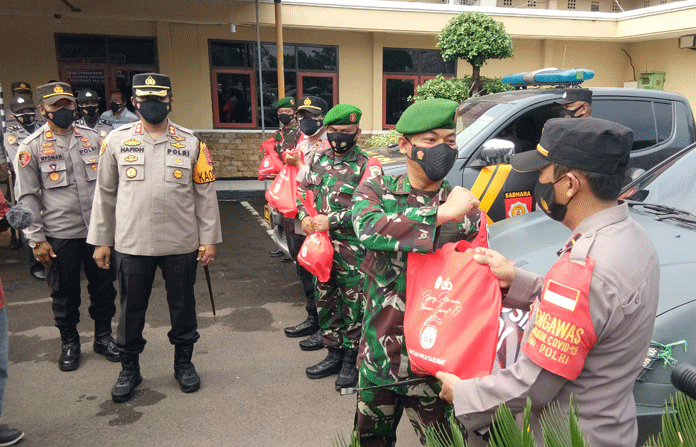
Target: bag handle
(308,203)
(481,239)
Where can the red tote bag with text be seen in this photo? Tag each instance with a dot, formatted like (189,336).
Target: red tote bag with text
(316,253)
(282,194)
(453,306)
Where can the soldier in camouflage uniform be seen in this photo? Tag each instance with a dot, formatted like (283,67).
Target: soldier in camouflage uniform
(392,216)
(333,175)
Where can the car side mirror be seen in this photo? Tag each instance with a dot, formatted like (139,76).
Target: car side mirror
(497,151)
(633,174)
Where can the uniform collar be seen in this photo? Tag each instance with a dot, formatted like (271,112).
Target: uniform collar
(403,187)
(603,219)
(351,155)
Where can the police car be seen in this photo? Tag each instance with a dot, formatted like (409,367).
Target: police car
(663,202)
(491,128)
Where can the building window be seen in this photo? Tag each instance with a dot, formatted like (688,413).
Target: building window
(403,70)
(594,6)
(507,2)
(531,4)
(646,3)
(309,70)
(104,64)
(571,4)
(615,7)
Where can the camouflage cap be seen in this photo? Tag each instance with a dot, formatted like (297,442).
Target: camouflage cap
(343,114)
(53,92)
(426,115)
(21,102)
(288,101)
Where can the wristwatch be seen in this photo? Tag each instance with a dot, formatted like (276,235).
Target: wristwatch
(32,244)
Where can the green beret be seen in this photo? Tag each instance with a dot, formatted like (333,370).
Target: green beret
(288,101)
(343,114)
(427,115)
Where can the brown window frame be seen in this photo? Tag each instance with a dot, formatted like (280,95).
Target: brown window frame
(216,106)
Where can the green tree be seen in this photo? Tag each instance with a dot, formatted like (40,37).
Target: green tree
(475,37)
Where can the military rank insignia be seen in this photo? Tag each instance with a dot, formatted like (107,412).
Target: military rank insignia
(178,138)
(102,133)
(84,139)
(131,172)
(203,169)
(132,142)
(48,151)
(178,145)
(11,139)
(172,130)
(131,158)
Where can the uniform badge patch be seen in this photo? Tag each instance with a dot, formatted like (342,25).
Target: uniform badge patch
(11,139)
(518,203)
(353,116)
(86,145)
(203,169)
(48,151)
(58,89)
(172,130)
(92,160)
(178,145)
(178,173)
(84,139)
(77,132)
(102,133)
(54,176)
(131,172)
(178,138)
(47,144)
(178,161)
(94,167)
(132,142)
(24,158)
(131,158)
(420,155)
(48,135)
(139,128)
(102,147)
(560,295)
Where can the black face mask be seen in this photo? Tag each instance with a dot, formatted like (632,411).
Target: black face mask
(26,119)
(310,126)
(341,142)
(62,118)
(545,198)
(90,112)
(436,161)
(566,113)
(285,118)
(153,111)
(114,106)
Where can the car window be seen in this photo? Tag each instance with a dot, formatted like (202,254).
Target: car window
(663,119)
(475,116)
(634,114)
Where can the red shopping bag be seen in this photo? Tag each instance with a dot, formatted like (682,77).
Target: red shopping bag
(316,253)
(271,164)
(282,194)
(453,306)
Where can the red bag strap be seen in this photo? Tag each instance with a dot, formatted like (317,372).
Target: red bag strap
(481,239)
(308,203)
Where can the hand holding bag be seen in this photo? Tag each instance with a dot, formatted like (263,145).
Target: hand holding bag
(316,253)
(271,164)
(282,194)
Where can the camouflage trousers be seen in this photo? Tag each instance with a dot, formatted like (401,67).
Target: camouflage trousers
(340,300)
(379,412)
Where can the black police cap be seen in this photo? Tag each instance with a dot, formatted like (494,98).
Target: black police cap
(151,84)
(87,94)
(587,144)
(314,105)
(571,95)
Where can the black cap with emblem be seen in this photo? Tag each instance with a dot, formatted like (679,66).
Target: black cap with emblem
(589,144)
(21,102)
(87,94)
(313,105)
(571,95)
(151,84)
(20,87)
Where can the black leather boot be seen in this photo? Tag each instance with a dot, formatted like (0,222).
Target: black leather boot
(184,371)
(313,343)
(128,378)
(70,348)
(307,327)
(329,366)
(348,377)
(103,342)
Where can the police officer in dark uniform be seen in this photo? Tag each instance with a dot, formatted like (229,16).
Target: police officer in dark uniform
(576,103)
(88,103)
(156,205)
(56,174)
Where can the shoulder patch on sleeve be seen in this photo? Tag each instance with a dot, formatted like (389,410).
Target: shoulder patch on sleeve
(203,169)
(102,147)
